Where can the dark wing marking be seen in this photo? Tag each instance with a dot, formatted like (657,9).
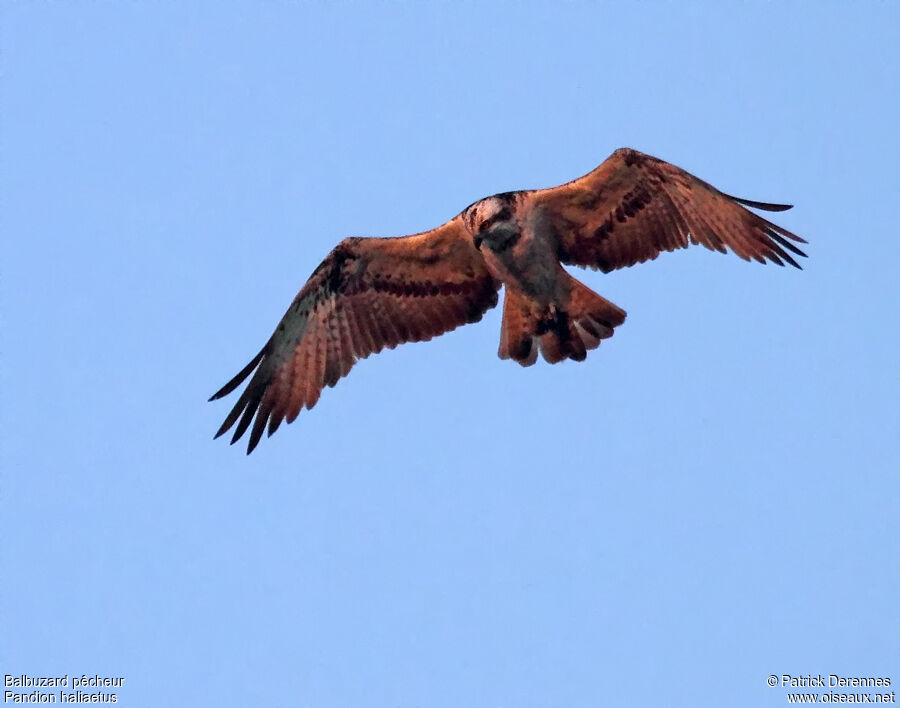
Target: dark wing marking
(368,294)
(634,206)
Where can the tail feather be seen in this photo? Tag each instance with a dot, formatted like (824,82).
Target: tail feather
(518,328)
(567,330)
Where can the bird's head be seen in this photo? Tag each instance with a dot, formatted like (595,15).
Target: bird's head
(492,222)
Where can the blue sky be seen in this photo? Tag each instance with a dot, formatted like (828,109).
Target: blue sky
(709,499)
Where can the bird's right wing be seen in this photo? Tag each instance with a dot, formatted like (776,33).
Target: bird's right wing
(635,206)
(368,294)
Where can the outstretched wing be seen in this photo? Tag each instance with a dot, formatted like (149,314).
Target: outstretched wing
(368,294)
(634,206)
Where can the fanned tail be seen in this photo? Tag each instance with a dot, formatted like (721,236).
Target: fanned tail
(565,331)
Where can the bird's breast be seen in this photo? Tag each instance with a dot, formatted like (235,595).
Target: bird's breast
(530,265)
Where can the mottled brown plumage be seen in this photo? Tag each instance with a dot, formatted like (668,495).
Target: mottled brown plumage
(634,206)
(372,293)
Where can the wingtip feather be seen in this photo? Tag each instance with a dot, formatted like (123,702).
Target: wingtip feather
(765,206)
(240,376)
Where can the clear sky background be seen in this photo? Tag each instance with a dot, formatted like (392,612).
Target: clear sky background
(711,498)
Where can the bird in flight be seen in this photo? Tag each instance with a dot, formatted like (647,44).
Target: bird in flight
(372,293)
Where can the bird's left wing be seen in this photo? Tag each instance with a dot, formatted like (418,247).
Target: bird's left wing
(368,294)
(635,206)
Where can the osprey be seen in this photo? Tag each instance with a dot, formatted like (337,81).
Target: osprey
(372,293)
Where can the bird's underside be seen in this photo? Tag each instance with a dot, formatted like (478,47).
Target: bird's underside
(375,293)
